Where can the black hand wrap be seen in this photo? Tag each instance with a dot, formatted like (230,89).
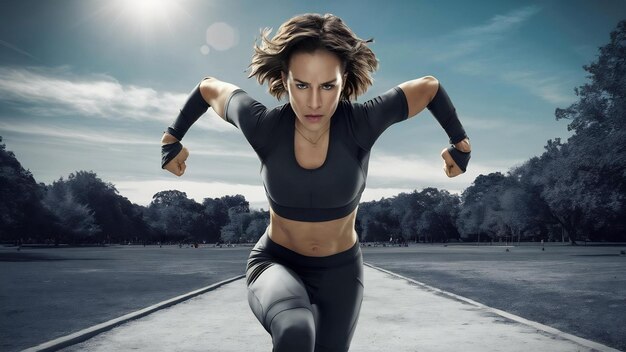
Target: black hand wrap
(459,157)
(442,109)
(194,107)
(169,152)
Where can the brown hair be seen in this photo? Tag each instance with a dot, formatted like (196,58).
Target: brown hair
(307,33)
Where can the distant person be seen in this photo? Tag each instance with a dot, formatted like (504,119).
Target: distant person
(305,274)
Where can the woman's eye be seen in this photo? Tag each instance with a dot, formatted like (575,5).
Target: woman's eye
(324,87)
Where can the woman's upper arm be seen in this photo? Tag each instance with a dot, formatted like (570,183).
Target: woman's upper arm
(236,107)
(216,93)
(419,92)
(374,116)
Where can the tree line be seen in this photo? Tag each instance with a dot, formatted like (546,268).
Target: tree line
(575,191)
(85,209)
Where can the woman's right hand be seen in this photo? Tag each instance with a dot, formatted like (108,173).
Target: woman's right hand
(177,165)
(450,164)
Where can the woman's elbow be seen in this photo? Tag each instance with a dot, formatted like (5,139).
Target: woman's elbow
(430,79)
(432,85)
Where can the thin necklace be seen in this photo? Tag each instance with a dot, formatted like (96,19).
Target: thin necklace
(310,141)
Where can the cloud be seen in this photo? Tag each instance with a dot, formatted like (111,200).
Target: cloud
(471,39)
(413,167)
(411,171)
(141,192)
(110,138)
(51,92)
(18,50)
(388,176)
(387,167)
(465,47)
(549,88)
(73,134)
(502,23)
(371,194)
(496,124)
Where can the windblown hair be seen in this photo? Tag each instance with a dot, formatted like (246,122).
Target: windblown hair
(307,33)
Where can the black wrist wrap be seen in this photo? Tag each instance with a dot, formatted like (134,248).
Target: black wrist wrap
(169,152)
(194,107)
(459,157)
(442,109)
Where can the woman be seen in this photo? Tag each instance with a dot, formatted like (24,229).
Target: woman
(305,274)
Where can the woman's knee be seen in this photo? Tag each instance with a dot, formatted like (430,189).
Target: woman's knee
(293,330)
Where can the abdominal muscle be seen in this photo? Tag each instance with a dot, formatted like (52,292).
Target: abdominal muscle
(315,239)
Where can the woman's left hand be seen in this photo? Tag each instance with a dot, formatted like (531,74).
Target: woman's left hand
(450,168)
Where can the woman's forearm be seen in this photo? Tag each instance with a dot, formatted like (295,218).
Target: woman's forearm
(443,110)
(168,138)
(464,145)
(194,107)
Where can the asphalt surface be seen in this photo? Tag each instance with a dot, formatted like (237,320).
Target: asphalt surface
(59,291)
(577,289)
(418,318)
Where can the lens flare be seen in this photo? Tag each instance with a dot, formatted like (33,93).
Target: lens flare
(221,36)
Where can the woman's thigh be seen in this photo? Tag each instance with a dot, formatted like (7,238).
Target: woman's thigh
(337,305)
(276,289)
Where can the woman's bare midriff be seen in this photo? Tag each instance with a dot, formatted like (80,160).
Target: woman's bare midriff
(314,239)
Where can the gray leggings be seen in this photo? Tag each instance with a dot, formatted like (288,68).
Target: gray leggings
(305,303)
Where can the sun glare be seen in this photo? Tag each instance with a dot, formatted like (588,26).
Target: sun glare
(148,18)
(147,21)
(148,11)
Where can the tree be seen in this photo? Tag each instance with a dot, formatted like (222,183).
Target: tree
(175,215)
(587,176)
(257,226)
(75,221)
(406,208)
(21,212)
(237,211)
(237,203)
(538,214)
(118,219)
(481,210)
(216,215)
(515,203)
(439,213)
(378,221)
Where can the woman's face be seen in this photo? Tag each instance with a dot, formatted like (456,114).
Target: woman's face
(314,83)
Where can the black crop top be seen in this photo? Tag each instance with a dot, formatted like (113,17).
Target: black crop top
(334,189)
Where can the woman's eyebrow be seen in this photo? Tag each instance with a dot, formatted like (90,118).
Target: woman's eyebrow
(303,82)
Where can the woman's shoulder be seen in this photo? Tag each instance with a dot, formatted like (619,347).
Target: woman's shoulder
(387,101)
(240,99)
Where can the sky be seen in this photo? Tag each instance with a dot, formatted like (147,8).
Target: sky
(92,84)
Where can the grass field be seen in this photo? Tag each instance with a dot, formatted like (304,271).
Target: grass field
(51,292)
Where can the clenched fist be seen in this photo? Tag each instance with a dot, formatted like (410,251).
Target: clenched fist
(177,165)
(173,155)
(454,168)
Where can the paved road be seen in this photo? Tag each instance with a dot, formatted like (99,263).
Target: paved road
(419,318)
(577,289)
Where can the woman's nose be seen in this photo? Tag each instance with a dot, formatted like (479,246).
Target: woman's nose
(315,99)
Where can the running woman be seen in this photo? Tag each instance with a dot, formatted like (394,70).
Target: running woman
(305,274)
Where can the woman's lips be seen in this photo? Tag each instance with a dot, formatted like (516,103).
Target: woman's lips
(314,118)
